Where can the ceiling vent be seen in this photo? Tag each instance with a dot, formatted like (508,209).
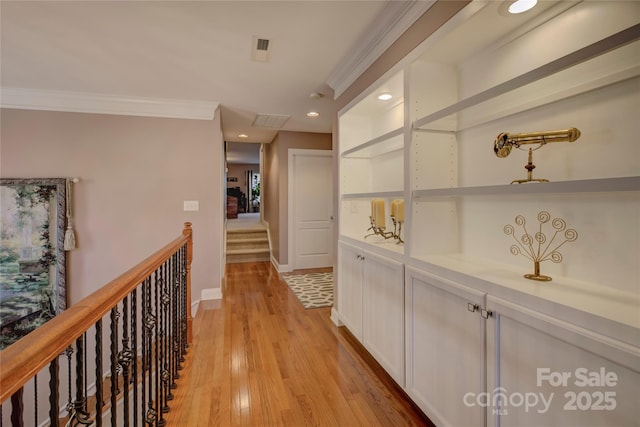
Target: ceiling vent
(275,121)
(260,51)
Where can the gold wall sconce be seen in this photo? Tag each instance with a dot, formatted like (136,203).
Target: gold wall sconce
(505,142)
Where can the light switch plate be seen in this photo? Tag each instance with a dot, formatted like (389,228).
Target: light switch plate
(191,205)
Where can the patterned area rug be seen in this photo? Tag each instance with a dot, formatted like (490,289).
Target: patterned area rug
(313,290)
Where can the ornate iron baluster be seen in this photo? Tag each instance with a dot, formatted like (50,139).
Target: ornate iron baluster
(54,396)
(143,378)
(134,346)
(80,404)
(69,407)
(17,408)
(35,398)
(158,346)
(151,414)
(124,358)
(114,365)
(164,355)
(175,344)
(172,325)
(99,382)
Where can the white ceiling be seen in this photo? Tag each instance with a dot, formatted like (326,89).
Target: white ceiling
(200,50)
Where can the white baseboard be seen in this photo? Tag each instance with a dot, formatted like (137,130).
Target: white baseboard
(335,317)
(211,293)
(285,268)
(194,308)
(205,294)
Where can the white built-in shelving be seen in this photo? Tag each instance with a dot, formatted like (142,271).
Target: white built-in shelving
(564,64)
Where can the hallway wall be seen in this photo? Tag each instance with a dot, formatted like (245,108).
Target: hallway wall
(135,173)
(276,184)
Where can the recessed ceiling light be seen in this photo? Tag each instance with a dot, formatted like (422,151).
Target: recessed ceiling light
(520,6)
(243,135)
(385,96)
(313,114)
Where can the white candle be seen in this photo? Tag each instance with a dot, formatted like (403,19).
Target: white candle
(373,212)
(379,213)
(394,208)
(400,210)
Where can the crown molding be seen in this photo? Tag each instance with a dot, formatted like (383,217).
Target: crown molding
(392,22)
(82,102)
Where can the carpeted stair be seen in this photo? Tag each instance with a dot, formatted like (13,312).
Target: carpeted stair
(247,245)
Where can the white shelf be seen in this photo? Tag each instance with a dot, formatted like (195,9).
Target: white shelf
(374,195)
(387,143)
(376,244)
(631,183)
(440,120)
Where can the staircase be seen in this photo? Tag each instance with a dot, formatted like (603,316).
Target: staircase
(247,245)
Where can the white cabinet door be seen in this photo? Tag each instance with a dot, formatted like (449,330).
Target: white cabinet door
(350,276)
(544,371)
(445,337)
(383,313)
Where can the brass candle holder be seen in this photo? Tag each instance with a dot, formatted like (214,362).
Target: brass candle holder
(537,247)
(396,235)
(380,231)
(504,142)
(377,219)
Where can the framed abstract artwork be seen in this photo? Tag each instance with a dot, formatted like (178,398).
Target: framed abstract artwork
(32,256)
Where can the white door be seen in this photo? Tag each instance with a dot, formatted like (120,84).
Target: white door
(311,208)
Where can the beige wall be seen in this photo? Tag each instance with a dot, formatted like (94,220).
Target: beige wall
(240,171)
(135,173)
(271,194)
(276,184)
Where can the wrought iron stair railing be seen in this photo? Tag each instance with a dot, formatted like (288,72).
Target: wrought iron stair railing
(111,359)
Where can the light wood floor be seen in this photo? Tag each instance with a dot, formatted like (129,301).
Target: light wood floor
(260,359)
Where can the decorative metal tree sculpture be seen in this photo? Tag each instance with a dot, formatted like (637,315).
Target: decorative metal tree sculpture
(536,247)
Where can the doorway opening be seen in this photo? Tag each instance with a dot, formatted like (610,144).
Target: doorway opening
(246,237)
(242,163)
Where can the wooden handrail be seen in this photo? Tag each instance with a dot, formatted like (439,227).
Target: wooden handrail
(25,358)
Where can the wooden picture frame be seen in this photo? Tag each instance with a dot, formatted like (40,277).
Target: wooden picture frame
(32,256)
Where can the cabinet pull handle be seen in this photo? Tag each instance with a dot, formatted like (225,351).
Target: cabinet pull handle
(486,313)
(472,307)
